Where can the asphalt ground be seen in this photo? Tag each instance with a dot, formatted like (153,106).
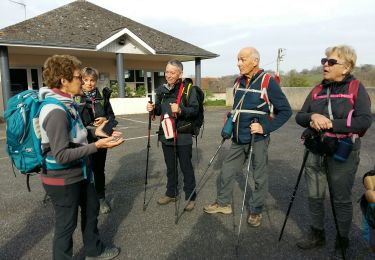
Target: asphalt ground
(27,224)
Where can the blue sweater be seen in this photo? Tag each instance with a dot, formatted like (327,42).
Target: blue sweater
(241,130)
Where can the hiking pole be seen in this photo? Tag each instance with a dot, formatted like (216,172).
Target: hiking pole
(148,152)
(305,155)
(244,193)
(196,191)
(176,202)
(333,209)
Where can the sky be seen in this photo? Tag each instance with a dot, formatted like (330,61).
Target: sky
(303,29)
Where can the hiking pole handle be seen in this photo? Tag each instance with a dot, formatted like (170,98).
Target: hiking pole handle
(150,114)
(306,154)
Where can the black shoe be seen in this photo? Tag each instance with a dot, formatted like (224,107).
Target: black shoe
(315,238)
(108,253)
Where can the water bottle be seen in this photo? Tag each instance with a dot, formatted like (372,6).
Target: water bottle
(168,127)
(227,130)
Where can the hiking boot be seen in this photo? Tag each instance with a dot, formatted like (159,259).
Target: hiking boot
(104,207)
(108,253)
(165,200)
(345,245)
(190,206)
(315,238)
(255,220)
(216,208)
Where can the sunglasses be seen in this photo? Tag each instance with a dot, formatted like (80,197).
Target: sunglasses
(330,62)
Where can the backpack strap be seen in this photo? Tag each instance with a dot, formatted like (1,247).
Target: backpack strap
(315,91)
(182,87)
(184,92)
(353,92)
(264,94)
(264,85)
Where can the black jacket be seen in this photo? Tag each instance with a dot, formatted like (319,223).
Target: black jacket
(361,118)
(189,110)
(96,106)
(90,108)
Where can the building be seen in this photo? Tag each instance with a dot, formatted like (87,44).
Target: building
(124,51)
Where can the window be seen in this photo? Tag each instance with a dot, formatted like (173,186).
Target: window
(24,78)
(135,83)
(18,81)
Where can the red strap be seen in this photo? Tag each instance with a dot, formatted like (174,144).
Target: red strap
(179,96)
(316,90)
(350,97)
(266,80)
(265,83)
(180,93)
(353,90)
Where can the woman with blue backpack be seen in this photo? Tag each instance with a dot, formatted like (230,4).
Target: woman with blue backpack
(66,177)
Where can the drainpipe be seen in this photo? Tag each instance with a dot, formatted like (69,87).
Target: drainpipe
(198,72)
(4,73)
(120,74)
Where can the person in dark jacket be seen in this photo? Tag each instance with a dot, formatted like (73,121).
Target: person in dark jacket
(179,147)
(335,117)
(95,108)
(250,104)
(67,176)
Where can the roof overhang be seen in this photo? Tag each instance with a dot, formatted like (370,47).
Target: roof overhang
(90,53)
(127,44)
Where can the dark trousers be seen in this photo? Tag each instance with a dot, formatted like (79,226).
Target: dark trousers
(184,154)
(66,201)
(98,166)
(341,176)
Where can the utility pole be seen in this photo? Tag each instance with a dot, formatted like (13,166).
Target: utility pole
(24,5)
(280,56)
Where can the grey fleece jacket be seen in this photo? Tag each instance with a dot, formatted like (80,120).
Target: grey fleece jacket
(56,136)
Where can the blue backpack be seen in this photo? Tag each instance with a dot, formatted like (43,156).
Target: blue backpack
(23,137)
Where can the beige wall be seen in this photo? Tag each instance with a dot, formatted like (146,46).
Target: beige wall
(297,96)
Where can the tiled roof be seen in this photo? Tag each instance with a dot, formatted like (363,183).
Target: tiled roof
(84,25)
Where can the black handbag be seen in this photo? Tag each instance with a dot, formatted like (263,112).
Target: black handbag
(318,143)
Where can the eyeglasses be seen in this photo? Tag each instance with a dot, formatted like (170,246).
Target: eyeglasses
(330,62)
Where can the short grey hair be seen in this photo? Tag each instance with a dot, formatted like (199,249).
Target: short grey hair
(177,64)
(344,52)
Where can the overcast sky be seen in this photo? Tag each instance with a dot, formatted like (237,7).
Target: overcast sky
(303,28)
